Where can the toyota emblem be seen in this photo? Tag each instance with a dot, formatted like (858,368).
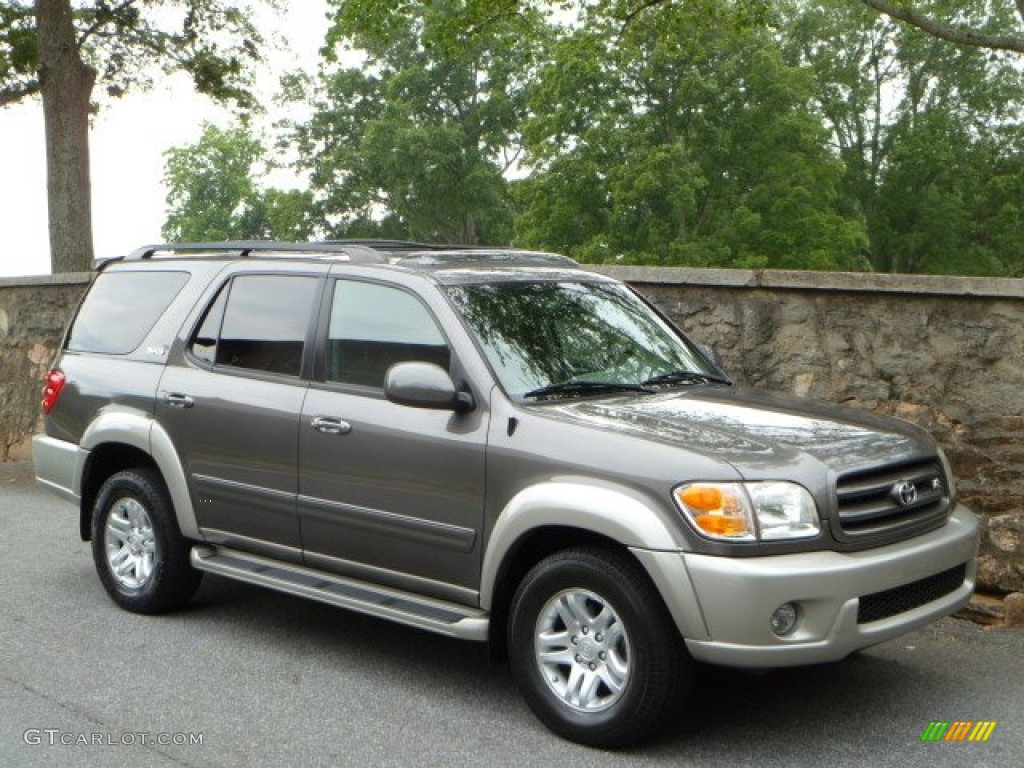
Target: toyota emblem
(905,493)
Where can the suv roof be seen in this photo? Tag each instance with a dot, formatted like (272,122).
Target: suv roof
(398,253)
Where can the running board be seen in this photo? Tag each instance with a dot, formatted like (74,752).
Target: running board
(427,613)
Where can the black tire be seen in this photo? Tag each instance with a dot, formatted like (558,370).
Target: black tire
(659,668)
(162,578)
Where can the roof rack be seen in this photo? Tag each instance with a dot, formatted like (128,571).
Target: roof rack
(364,248)
(364,251)
(404,245)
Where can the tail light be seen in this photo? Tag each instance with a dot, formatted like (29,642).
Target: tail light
(52,386)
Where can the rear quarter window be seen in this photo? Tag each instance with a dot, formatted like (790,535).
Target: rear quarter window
(121,308)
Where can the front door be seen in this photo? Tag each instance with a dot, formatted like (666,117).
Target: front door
(387,492)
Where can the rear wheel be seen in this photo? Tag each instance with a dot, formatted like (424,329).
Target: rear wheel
(138,549)
(594,651)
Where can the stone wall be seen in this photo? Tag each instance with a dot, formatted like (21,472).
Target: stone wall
(946,353)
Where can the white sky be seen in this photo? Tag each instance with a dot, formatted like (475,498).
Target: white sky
(127,143)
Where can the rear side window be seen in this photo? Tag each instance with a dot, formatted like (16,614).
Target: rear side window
(259,323)
(121,309)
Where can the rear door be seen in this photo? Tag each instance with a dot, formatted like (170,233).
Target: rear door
(387,492)
(232,409)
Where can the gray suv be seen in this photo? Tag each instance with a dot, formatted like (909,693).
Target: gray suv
(495,445)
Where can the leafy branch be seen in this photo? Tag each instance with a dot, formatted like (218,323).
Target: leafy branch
(948,32)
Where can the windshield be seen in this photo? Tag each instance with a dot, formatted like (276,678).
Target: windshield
(549,338)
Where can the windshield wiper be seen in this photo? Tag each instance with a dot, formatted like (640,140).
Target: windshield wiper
(682,376)
(586,388)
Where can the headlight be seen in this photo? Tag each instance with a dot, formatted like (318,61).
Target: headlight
(784,510)
(766,511)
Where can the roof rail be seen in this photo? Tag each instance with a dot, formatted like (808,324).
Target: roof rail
(363,248)
(403,245)
(400,252)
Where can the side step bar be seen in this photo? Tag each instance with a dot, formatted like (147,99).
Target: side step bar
(433,615)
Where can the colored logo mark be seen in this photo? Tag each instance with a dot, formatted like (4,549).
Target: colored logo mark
(958,730)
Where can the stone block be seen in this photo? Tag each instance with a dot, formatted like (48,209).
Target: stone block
(1013,609)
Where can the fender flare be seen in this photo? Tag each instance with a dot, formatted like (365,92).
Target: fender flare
(617,514)
(140,431)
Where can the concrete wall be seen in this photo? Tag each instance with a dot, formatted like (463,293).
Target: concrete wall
(945,353)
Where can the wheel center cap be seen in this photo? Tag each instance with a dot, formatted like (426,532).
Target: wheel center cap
(589,649)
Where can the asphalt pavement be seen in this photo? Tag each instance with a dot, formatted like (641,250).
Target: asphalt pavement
(263,679)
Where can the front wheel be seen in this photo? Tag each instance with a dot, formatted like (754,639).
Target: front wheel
(140,554)
(594,651)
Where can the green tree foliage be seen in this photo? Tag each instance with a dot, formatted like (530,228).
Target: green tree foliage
(415,141)
(126,43)
(929,134)
(213,192)
(682,138)
(61,49)
(951,202)
(790,134)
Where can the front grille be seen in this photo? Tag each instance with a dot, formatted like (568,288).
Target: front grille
(882,605)
(891,499)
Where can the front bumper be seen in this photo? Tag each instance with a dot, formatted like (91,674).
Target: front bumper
(737,597)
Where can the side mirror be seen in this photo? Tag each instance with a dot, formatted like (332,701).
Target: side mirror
(425,385)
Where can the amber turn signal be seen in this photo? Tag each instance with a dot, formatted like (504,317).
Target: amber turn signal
(704,497)
(718,524)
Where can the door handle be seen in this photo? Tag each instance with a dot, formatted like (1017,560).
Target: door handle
(178,400)
(330,425)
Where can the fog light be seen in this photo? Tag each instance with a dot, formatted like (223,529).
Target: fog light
(783,621)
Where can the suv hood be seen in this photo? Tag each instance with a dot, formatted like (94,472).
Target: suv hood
(752,429)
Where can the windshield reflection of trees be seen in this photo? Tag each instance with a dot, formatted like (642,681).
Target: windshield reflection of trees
(542,333)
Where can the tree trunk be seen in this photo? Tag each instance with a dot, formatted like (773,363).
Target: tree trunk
(67,83)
